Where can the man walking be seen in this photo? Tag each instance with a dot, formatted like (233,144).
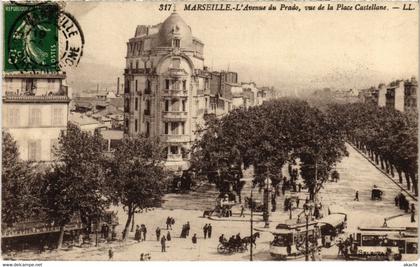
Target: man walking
(110,254)
(157,233)
(356,197)
(163,243)
(187,229)
(205,228)
(242,211)
(413,213)
(209,229)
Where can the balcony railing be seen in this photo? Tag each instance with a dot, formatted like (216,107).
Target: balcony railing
(36,98)
(138,71)
(175,157)
(177,72)
(175,138)
(175,93)
(175,115)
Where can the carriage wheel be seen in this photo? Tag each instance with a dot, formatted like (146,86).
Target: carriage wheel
(221,249)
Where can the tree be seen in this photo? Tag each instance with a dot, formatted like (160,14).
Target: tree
(136,176)
(266,137)
(74,186)
(20,190)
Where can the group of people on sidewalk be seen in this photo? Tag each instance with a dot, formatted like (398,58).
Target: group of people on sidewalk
(207,229)
(140,234)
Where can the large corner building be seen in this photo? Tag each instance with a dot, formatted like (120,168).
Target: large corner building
(167,88)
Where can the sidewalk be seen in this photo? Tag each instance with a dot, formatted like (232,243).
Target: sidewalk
(393,179)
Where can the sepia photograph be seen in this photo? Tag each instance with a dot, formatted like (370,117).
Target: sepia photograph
(209,131)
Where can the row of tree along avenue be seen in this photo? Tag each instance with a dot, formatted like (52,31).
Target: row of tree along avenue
(388,136)
(83,181)
(266,137)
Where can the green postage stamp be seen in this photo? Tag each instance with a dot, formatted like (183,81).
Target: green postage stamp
(31,37)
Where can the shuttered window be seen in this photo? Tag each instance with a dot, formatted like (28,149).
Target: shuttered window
(57,116)
(34,117)
(34,150)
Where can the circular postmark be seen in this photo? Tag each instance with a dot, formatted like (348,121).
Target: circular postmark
(71,40)
(42,38)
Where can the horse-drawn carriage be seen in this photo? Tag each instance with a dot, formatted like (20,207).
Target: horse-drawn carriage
(376,193)
(255,205)
(234,245)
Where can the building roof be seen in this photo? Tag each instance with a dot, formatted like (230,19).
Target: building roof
(174,26)
(81,119)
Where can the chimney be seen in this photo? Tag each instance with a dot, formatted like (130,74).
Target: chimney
(118,86)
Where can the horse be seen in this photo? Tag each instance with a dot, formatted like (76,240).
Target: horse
(250,240)
(207,213)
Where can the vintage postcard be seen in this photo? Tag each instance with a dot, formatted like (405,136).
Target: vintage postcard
(209,131)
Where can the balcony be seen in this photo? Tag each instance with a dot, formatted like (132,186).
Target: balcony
(182,93)
(14,98)
(177,72)
(174,115)
(175,138)
(138,71)
(175,157)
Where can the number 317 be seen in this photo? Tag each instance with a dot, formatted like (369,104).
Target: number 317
(165,7)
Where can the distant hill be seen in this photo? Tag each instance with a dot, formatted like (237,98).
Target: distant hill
(85,77)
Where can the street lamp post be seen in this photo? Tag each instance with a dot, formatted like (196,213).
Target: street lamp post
(252,225)
(307,236)
(267,201)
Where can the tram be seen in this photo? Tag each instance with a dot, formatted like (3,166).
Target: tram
(384,243)
(289,240)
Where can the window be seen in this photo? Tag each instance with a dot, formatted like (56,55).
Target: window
(131,64)
(174,127)
(184,85)
(166,105)
(136,104)
(148,87)
(174,150)
(53,147)
(35,117)
(147,110)
(176,63)
(34,150)
(137,64)
(136,86)
(57,116)
(182,127)
(136,125)
(184,102)
(176,43)
(166,128)
(147,129)
(167,84)
(175,85)
(13,117)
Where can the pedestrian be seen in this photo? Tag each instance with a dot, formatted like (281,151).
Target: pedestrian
(209,230)
(110,254)
(242,211)
(144,230)
(168,236)
(168,223)
(205,228)
(299,187)
(163,243)
(172,222)
(283,188)
(194,239)
(297,202)
(158,233)
(356,197)
(141,257)
(137,235)
(413,213)
(187,229)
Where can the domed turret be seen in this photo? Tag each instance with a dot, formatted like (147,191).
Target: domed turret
(174,27)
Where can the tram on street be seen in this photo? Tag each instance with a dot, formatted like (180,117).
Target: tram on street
(331,226)
(288,242)
(384,243)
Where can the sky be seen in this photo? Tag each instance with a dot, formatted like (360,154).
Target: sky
(289,50)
